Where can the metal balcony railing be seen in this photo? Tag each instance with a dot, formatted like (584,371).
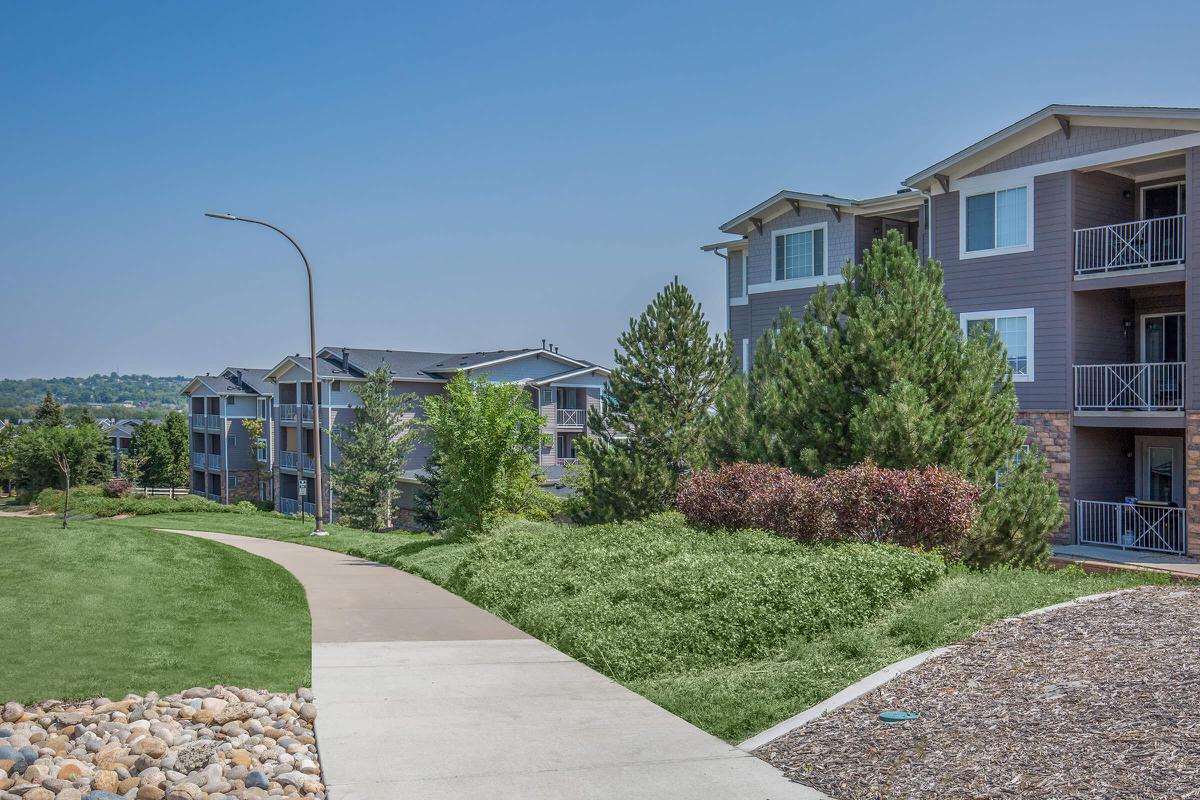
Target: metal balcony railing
(214,460)
(1131,526)
(1129,387)
(289,459)
(570,417)
(1146,243)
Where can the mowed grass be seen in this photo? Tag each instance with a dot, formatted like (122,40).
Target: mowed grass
(104,610)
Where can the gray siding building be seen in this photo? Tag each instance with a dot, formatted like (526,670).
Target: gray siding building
(1070,237)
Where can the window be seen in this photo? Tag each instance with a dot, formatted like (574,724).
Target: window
(336,386)
(1014,329)
(262,408)
(230,401)
(232,441)
(996,221)
(799,253)
(261,450)
(233,482)
(547,397)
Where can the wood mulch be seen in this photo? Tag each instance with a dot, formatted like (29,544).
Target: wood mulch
(1095,700)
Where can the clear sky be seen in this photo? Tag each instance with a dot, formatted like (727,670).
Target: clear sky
(475,176)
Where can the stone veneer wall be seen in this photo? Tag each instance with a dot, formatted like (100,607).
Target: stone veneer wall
(247,488)
(1192,485)
(1050,432)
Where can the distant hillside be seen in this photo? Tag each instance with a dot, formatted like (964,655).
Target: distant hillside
(111,389)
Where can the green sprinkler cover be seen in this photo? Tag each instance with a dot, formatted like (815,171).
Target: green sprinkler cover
(898,716)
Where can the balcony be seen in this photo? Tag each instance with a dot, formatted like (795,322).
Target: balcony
(199,460)
(570,417)
(200,421)
(1131,526)
(1144,244)
(308,463)
(287,412)
(1129,387)
(289,459)
(288,506)
(214,460)
(566,462)
(310,509)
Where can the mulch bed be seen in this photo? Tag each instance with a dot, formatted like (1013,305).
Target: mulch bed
(1096,700)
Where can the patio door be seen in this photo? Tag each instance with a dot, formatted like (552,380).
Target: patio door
(1164,201)
(1163,338)
(1160,470)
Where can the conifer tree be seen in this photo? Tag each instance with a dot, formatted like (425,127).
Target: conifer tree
(877,368)
(374,449)
(49,412)
(1016,517)
(651,431)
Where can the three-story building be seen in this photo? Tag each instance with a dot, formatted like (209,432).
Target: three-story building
(227,465)
(1067,234)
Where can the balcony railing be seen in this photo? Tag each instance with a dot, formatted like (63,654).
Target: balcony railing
(308,463)
(570,417)
(289,459)
(200,492)
(306,412)
(1146,243)
(202,421)
(567,462)
(1131,526)
(310,509)
(289,506)
(199,460)
(214,460)
(214,422)
(1129,387)
(287,412)
(214,496)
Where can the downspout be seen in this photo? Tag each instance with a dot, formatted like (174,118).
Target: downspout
(728,315)
(928,219)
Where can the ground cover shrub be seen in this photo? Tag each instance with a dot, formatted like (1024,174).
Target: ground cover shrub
(930,507)
(92,500)
(637,598)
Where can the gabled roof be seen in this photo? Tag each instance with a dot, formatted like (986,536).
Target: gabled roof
(787,200)
(403,364)
(1049,119)
(489,358)
(571,373)
(251,379)
(355,363)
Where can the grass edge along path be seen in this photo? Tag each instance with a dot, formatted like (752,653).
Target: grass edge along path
(96,610)
(734,701)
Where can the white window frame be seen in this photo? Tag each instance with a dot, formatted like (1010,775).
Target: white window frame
(543,394)
(799,283)
(745,356)
(1027,313)
(1179,184)
(977,189)
(744,297)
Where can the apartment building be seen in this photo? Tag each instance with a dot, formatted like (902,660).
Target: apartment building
(1068,234)
(560,387)
(227,466)
(120,437)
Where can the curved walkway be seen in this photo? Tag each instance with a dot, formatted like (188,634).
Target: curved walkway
(421,694)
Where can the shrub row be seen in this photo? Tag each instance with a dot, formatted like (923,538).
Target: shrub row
(92,500)
(929,507)
(637,599)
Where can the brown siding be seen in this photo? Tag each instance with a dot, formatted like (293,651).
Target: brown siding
(1100,337)
(1103,469)
(1192,290)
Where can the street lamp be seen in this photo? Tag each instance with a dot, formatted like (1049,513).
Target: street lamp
(312,343)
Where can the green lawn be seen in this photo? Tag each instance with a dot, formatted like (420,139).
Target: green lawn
(729,631)
(102,610)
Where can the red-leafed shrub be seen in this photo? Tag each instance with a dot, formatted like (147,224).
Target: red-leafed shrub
(117,487)
(929,507)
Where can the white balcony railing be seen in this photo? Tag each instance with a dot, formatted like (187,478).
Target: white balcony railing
(1146,243)
(199,460)
(289,459)
(306,412)
(1131,526)
(289,506)
(570,417)
(214,460)
(566,462)
(1129,387)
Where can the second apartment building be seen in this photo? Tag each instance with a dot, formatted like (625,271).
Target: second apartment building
(282,465)
(1068,234)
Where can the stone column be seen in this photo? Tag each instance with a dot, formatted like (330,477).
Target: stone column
(1050,432)
(1192,483)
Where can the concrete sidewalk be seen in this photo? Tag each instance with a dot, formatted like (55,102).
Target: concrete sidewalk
(421,694)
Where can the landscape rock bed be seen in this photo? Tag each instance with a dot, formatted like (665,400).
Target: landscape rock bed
(1093,700)
(202,744)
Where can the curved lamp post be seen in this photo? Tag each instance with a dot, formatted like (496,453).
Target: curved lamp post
(312,343)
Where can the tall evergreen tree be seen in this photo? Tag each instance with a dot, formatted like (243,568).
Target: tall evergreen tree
(667,371)
(49,412)
(177,438)
(876,368)
(374,449)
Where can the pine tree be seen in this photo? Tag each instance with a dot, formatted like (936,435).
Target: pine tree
(651,431)
(1017,517)
(374,449)
(49,412)
(877,368)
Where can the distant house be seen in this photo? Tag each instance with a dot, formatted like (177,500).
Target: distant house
(560,387)
(120,436)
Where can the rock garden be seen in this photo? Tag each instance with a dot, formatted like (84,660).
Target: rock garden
(202,744)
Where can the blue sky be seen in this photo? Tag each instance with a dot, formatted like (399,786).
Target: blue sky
(470,176)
